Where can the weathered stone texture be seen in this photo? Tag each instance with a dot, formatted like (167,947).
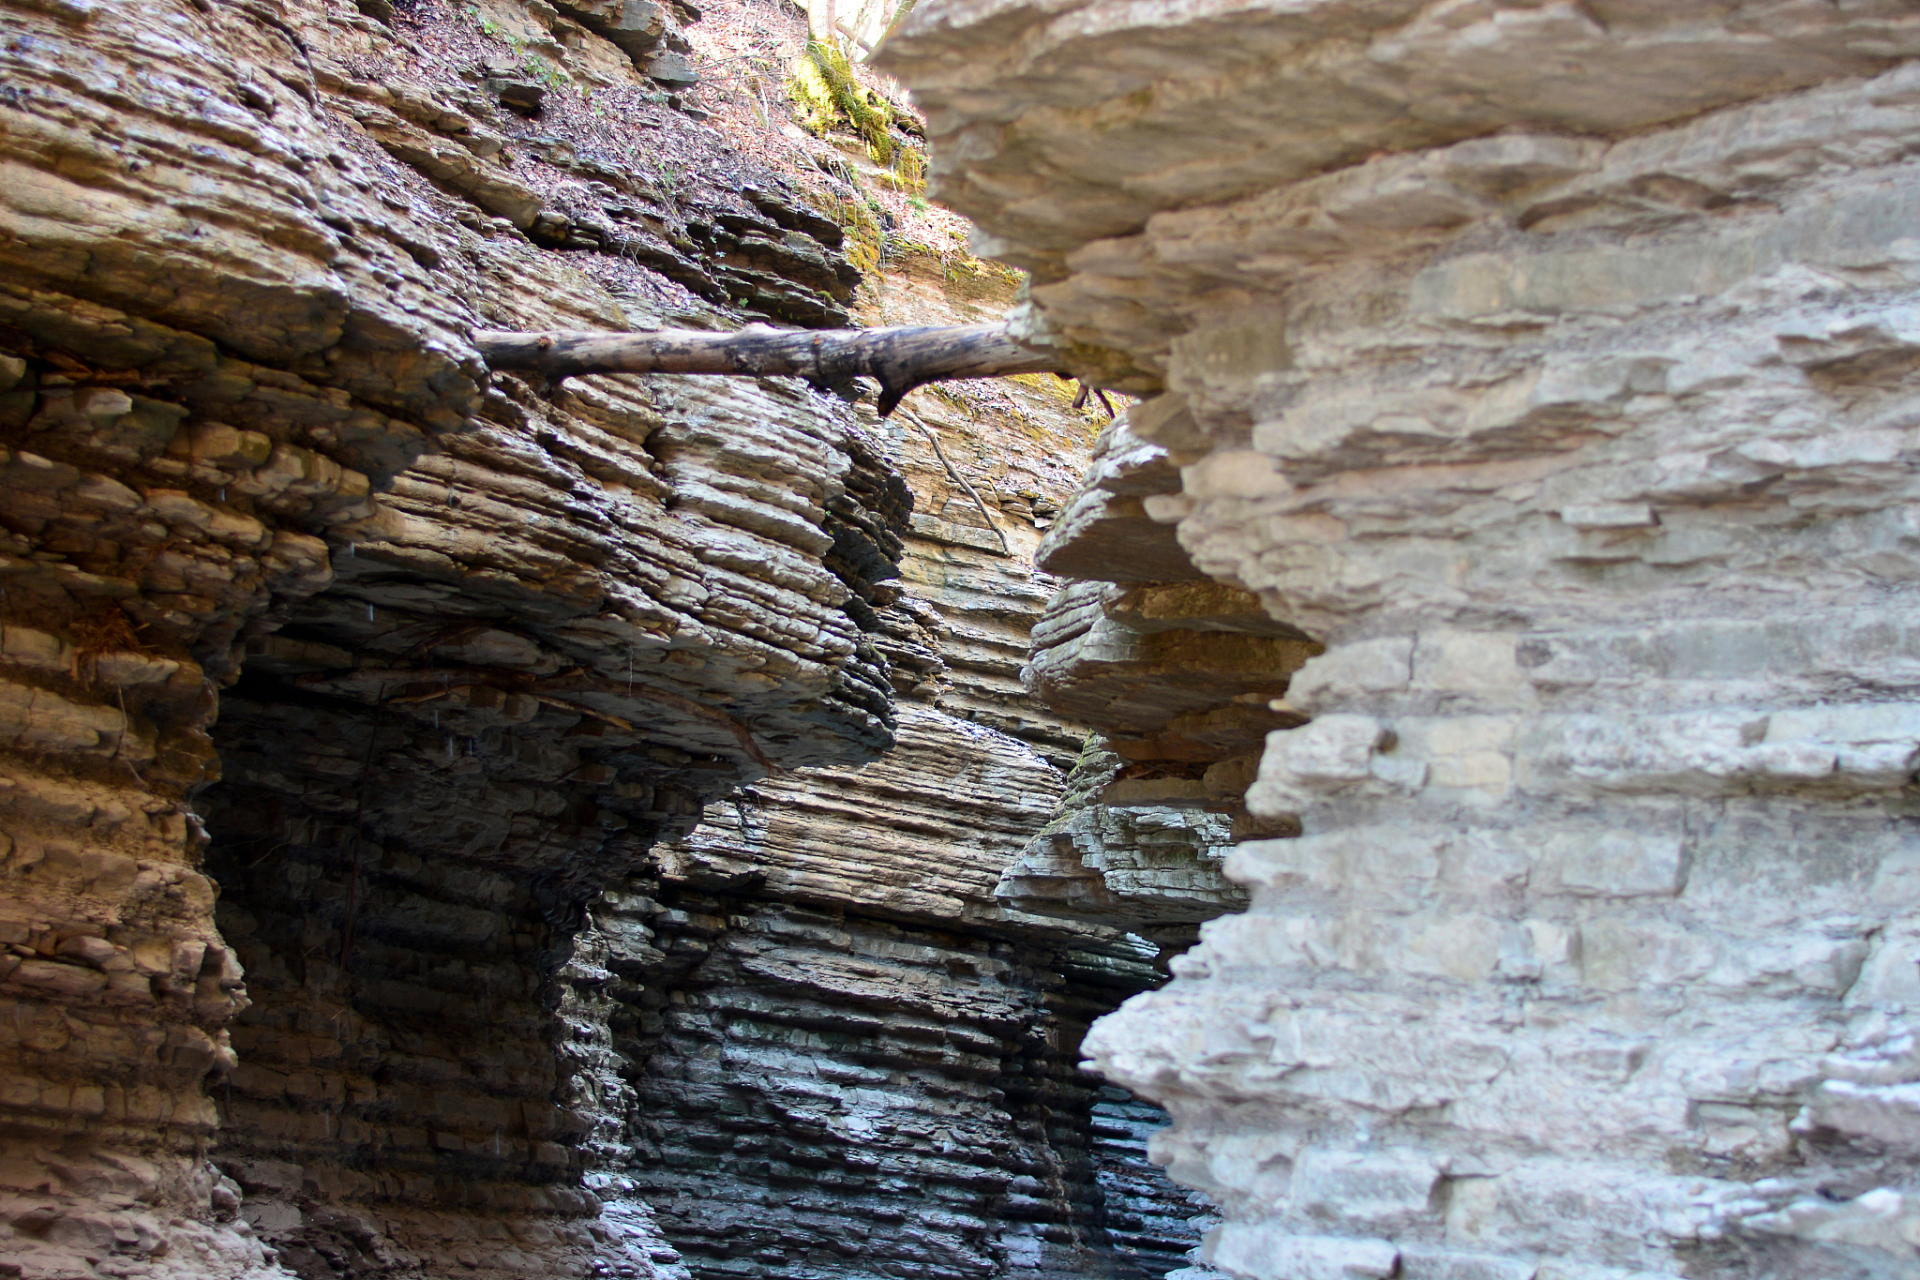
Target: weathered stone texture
(831,1094)
(492,640)
(848,1056)
(1184,678)
(1549,363)
(477,646)
(1148,868)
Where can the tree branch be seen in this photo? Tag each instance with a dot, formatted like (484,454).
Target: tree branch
(899,358)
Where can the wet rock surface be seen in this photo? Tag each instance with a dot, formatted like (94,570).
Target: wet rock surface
(1544,363)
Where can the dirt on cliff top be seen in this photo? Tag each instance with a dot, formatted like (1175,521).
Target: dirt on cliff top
(696,150)
(699,145)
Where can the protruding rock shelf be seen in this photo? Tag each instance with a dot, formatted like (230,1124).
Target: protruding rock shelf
(347,687)
(846,1056)
(1183,676)
(1553,365)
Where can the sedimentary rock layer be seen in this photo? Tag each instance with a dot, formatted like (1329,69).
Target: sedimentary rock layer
(495,639)
(1184,678)
(1552,365)
(375,973)
(828,1094)
(845,1055)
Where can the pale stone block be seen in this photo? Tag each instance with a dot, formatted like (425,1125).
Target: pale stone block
(1435,737)
(1335,1184)
(1824,965)
(1401,772)
(35,650)
(1746,1133)
(1241,473)
(1352,671)
(1891,973)
(179,509)
(1616,863)
(1472,1209)
(1270,941)
(1424,1262)
(1271,1252)
(1489,771)
(220,445)
(1465,948)
(60,981)
(1478,663)
(1882,1219)
(1719,753)
(103,493)
(1256,1168)
(1167,508)
(1887,1115)
(1533,948)
(38,719)
(1609,515)
(1465,752)
(1624,953)
(1332,750)
(1478,863)
(1354,860)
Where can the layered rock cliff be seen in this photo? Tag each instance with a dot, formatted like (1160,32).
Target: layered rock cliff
(1551,364)
(845,1056)
(434,837)
(496,640)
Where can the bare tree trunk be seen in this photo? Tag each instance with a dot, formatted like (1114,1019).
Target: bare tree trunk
(900,359)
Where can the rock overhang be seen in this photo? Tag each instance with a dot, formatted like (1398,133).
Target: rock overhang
(1568,418)
(1118,150)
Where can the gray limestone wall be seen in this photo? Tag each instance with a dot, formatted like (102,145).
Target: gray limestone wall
(1551,365)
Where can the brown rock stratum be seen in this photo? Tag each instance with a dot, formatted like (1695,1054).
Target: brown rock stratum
(358,706)
(1552,365)
(453,823)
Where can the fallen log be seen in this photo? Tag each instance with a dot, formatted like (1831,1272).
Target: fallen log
(900,359)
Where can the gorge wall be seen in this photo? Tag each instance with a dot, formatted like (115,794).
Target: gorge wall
(434,831)
(1552,365)
(453,825)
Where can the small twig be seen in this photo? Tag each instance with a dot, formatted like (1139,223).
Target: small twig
(271,850)
(404,699)
(126,727)
(582,709)
(933,437)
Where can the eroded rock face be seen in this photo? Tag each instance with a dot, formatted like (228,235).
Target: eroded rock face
(1150,868)
(834,1051)
(490,772)
(832,1093)
(1183,676)
(412,962)
(1550,365)
(492,640)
